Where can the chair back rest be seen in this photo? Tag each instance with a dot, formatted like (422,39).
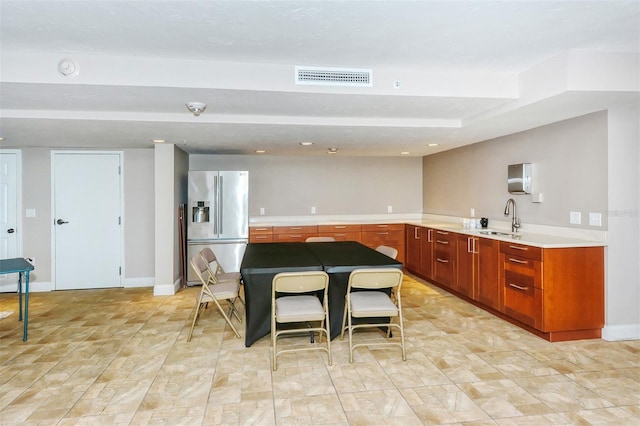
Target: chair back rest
(388,251)
(375,278)
(319,240)
(199,267)
(210,257)
(300,282)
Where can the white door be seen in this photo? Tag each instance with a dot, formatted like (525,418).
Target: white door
(9,226)
(87,226)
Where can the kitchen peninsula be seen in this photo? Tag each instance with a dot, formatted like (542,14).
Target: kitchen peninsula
(550,285)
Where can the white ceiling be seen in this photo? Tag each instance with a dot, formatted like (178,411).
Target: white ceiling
(468,71)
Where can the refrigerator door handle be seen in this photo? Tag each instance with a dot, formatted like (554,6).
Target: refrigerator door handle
(220,202)
(216,205)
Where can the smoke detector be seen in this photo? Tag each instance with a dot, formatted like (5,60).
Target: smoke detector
(196,108)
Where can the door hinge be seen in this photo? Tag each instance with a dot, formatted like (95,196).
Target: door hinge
(119,170)
(120,270)
(119,220)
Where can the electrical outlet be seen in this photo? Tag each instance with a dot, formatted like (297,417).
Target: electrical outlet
(595,219)
(575,218)
(261,211)
(313,210)
(389,209)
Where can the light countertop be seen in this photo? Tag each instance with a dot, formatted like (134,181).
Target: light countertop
(547,239)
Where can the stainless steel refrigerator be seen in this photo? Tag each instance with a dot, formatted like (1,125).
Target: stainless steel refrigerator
(218,217)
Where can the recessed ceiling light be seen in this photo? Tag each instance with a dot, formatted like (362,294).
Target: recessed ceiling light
(1,138)
(332,151)
(158,140)
(306,143)
(260,151)
(405,153)
(433,144)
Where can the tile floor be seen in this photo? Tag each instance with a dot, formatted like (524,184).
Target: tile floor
(121,357)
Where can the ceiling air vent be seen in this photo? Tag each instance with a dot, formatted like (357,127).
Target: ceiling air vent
(334,76)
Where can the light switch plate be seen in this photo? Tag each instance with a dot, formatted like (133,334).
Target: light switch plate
(595,219)
(30,213)
(575,218)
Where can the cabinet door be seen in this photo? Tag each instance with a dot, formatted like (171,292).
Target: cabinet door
(488,272)
(444,258)
(413,248)
(426,256)
(464,283)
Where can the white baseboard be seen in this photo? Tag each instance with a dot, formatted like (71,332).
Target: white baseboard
(621,332)
(138,282)
(34,287)
(167,289)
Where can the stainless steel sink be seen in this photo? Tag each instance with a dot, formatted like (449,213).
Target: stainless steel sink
(494,233)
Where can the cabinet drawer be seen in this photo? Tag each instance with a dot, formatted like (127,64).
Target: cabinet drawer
(521,250)
(260,238)
(522,300)
(260,230)
(292,238)
(307,229)
(323,229)
(383,227)
(523,266)
(385,237)
(442,238)
(342,236)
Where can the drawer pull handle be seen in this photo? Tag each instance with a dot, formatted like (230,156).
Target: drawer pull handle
(442,242)
(522,262)
(296,235)
(260,237)
(442,233)
(339,235)
(295,227)
(429,235)
(519,248)
(383,226)
(519,287)
(383,233)
(340,226)
(259,229)
(442,260)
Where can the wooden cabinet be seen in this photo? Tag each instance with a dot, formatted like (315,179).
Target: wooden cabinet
(419,250)
(477,274)
(340,232)
(444,262)
(413,246)
(294,233)
(426,253)
(466,265)
(374,235)
(487,273)
(522,283)
(558,291)
(260,234)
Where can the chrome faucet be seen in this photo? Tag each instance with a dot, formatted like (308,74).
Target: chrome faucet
(515,221)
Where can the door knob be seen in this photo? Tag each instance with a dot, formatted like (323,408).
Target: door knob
(10,231)
(61,222)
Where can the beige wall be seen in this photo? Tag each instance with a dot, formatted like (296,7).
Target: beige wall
(139,211)
(171,165)
(569,168)
(290,186)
